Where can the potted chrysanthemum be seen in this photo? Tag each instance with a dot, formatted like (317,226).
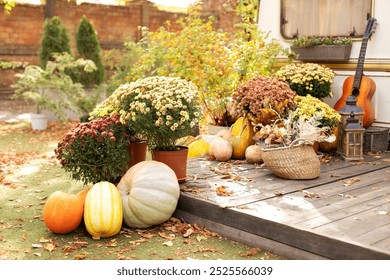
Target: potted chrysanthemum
(162,110)
(308,78)
(309,107)
(263,99)
(95,151)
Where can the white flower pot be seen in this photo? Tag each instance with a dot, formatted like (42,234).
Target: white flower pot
(38,121)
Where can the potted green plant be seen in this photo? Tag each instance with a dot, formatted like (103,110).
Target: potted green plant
(263,99)
(308,79)
(51,88)
(95,151)
(322,48)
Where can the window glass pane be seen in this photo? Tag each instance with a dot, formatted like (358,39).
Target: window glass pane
(324,17)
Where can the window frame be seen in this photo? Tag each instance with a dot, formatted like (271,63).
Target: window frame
(283,35)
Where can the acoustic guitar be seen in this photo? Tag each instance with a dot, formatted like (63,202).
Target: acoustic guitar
(361,86)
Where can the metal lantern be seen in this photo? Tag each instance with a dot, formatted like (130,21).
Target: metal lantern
(351,142)
(350,106)
(352,116)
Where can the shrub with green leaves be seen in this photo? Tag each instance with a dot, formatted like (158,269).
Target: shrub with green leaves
(52,88)
(88,47)
(55,39)
(215,61)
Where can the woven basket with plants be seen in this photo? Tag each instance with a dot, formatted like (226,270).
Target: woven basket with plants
(296,161)
(287,146)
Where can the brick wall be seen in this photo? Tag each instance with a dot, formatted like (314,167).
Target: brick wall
(21,32)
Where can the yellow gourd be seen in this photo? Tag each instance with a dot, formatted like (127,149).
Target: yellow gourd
(198,148)
(185,141)
(103,210)
(243,133)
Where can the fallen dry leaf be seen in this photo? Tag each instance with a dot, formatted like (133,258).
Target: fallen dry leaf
(147,235)
(190,190)
(278,193)
(49,247)
(168,243)
(111,243)
(43,240)
(79,256)
(188,232)
(311,195)
(168,237)
(223,191)
(138,241)
(200,238)
(203,250)
(347,183)
(251,253)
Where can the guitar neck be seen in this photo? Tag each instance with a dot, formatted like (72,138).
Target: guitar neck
(359,68)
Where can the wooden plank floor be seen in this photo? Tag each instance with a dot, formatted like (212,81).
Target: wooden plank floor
(343,214)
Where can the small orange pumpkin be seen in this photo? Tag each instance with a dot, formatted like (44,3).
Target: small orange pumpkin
(221,149)
(254,154)
(63,212)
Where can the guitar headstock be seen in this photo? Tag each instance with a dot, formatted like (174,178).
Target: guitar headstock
(370,28)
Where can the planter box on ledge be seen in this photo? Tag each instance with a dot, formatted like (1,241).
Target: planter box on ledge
(323,53)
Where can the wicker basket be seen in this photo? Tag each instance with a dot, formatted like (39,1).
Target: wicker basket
(293,162)
(376,139)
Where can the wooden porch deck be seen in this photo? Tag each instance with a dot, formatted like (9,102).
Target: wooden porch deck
(343,214)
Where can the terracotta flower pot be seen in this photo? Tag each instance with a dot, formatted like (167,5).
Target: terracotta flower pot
(137,152)
(176,160)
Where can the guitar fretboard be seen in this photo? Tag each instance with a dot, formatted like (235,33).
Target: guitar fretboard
(360,65)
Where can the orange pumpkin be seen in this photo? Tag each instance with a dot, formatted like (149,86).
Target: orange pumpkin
(63,212)
(83,194)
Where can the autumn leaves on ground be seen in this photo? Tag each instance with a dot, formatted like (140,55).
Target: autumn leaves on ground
(29,173)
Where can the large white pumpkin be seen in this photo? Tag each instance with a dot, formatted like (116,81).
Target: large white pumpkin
(150,192)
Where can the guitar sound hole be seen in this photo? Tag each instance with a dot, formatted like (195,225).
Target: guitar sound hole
(355,92)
